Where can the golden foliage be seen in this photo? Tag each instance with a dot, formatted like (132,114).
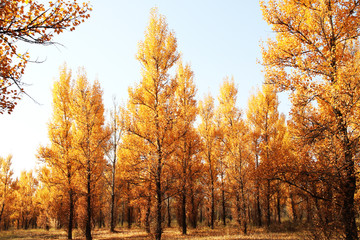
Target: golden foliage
(30,22)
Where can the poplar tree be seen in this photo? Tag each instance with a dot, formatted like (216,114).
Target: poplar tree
(152,107)
(59,168)
(315,57)
(90,139)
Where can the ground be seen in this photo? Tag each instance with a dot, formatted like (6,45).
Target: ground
(229,233)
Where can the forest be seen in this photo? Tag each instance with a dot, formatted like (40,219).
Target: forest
(169,159)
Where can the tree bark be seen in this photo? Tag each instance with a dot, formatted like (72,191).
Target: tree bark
(193,214)
(71,213)
(349,187)
(183,213)
(168,212)
(278,206)
(158,229)
(212,210)
(147,215)
(258,208)
(88,208)
(244,220)
(268,215)
(112,210)
(129,213)
(223,205)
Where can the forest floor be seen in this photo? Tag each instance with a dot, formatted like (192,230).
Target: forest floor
(229,233)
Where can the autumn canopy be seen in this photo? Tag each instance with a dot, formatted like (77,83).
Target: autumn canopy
(167,157)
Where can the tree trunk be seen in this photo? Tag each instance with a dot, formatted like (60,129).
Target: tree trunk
(129,213)
(193,214)
(244,220)
(223,205)
(349,188)
(147,215)
(278,206)
(212,210)
(168,212)
(238,207)
(158,229)
(2,210)
(88,208)
(201,213)
(71,213)
(268,220)
(258,209)
(293,206)
(183,212)
(309,211)
(122,214)
(112,210)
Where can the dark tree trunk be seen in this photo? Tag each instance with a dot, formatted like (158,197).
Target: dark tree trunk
(129,213)
(193,214)
(238,207)
(268,214)
(88,208)
(223,205)
(183,212)
(158,227)
(112,210)
(349,188)
(2,210)
(212,210)
(278,207)
(147,215)
(122,214)
(168,212)
(244,220)
(258,208)
(71,214)
(293,207)
(100,218)
(309,211)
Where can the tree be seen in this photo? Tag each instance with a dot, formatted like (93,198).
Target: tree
(316,57)
(185,163)
(60,168)
(152,106)
(263,115)
(237,151)
(208,131)
(90,138)
(116,130)
(254,139)
(30,22)
(6,182)
(25,207)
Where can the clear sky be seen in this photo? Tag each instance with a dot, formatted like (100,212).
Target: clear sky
(218,39)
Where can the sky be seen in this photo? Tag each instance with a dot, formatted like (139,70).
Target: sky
(217,38)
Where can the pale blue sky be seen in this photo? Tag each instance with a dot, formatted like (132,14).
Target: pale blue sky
(218,39)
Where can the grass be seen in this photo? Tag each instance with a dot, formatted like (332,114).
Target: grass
(203,233)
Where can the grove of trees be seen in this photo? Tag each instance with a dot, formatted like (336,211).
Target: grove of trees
(167,158)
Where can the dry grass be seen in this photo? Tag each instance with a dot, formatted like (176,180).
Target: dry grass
(229,233)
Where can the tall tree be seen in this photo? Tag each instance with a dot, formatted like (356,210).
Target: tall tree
(316,57)
(208,131)
(31,22)
(189,143)
(59,165)
(263,114)
(237,153)
(90,138)
(116,129)
(152,105)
